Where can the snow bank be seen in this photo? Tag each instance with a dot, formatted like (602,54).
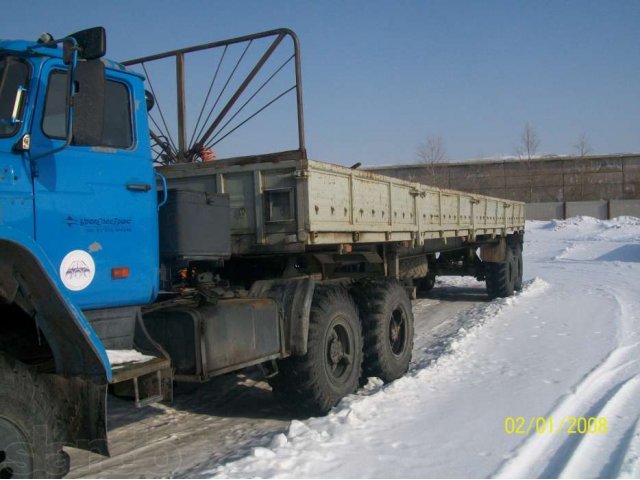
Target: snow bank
(318,446)
(619,229)
(567,346)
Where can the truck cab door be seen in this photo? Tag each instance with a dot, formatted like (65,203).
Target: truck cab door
(16,196)
(96,205)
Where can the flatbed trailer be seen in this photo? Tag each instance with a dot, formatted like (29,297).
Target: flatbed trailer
(286,203)
(292,216)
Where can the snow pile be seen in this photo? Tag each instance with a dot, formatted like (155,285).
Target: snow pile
(567,346)
(619,229)
(120,357)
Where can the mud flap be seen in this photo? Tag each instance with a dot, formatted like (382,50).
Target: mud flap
(294,299)
(494,252)
(82,402)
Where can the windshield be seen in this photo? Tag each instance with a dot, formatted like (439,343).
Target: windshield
(14,74)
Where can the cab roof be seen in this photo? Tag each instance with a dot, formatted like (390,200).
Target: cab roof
(26,48)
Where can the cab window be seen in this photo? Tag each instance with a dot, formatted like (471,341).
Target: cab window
(117,131)
(14,75)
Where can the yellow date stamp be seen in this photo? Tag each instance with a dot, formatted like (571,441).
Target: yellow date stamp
(550,425)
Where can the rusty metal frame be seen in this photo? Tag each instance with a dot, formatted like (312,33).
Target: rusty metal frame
(186,153)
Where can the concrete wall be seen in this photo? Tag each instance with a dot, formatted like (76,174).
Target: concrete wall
(621,208)
(598,209)
(554,179)
(596,185)
(544,211)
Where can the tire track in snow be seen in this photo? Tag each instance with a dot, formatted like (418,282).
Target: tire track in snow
(605,390)
(614,444)
(438,341)
(629,466)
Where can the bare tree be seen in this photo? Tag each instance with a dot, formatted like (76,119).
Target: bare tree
(527,149)
(582,146)
(432,152)
(529,143)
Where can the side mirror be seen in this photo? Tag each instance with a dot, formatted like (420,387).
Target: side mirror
(92,43)
(67,52)
(149,99)
(88,103)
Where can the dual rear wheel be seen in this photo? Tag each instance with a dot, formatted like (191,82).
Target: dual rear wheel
(505,278)
(387,319)
(354,333)
(313,383)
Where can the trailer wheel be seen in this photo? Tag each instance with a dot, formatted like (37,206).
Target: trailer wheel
(30,432)
(330,370)
(517,253)
(413,267)
(501,276)
(387,319)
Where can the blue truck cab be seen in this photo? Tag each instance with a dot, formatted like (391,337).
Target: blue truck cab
(99,199)
(78,233)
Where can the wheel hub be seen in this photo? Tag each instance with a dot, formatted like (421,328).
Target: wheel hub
(338,353)
(336,349)
(397,335)
(16,460)
(395,332)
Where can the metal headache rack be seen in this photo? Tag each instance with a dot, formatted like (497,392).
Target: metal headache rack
(224,109)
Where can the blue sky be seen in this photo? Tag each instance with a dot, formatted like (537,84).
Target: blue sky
(379,77)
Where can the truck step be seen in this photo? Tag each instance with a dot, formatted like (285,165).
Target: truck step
(151,398)
(129,371)
(145,382)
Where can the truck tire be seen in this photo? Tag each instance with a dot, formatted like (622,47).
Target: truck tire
(501,276)
(427,283)
(315,382)
(413,267)
(517,253)
(387,321)
(31,431)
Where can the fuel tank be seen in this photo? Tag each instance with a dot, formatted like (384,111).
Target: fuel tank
(217,338)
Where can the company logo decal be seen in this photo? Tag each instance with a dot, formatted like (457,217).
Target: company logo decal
(77,270)
(101,224)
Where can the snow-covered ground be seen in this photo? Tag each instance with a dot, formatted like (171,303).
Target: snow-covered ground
(567,346)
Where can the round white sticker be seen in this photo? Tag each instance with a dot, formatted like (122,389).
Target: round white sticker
(77,270)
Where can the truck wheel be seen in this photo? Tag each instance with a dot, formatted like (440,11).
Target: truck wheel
(330,370)
(413,267)
(30,431)
(517,253)
(501,276)
(387,320)
(427,283)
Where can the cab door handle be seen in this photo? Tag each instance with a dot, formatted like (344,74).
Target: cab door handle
(139,187)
